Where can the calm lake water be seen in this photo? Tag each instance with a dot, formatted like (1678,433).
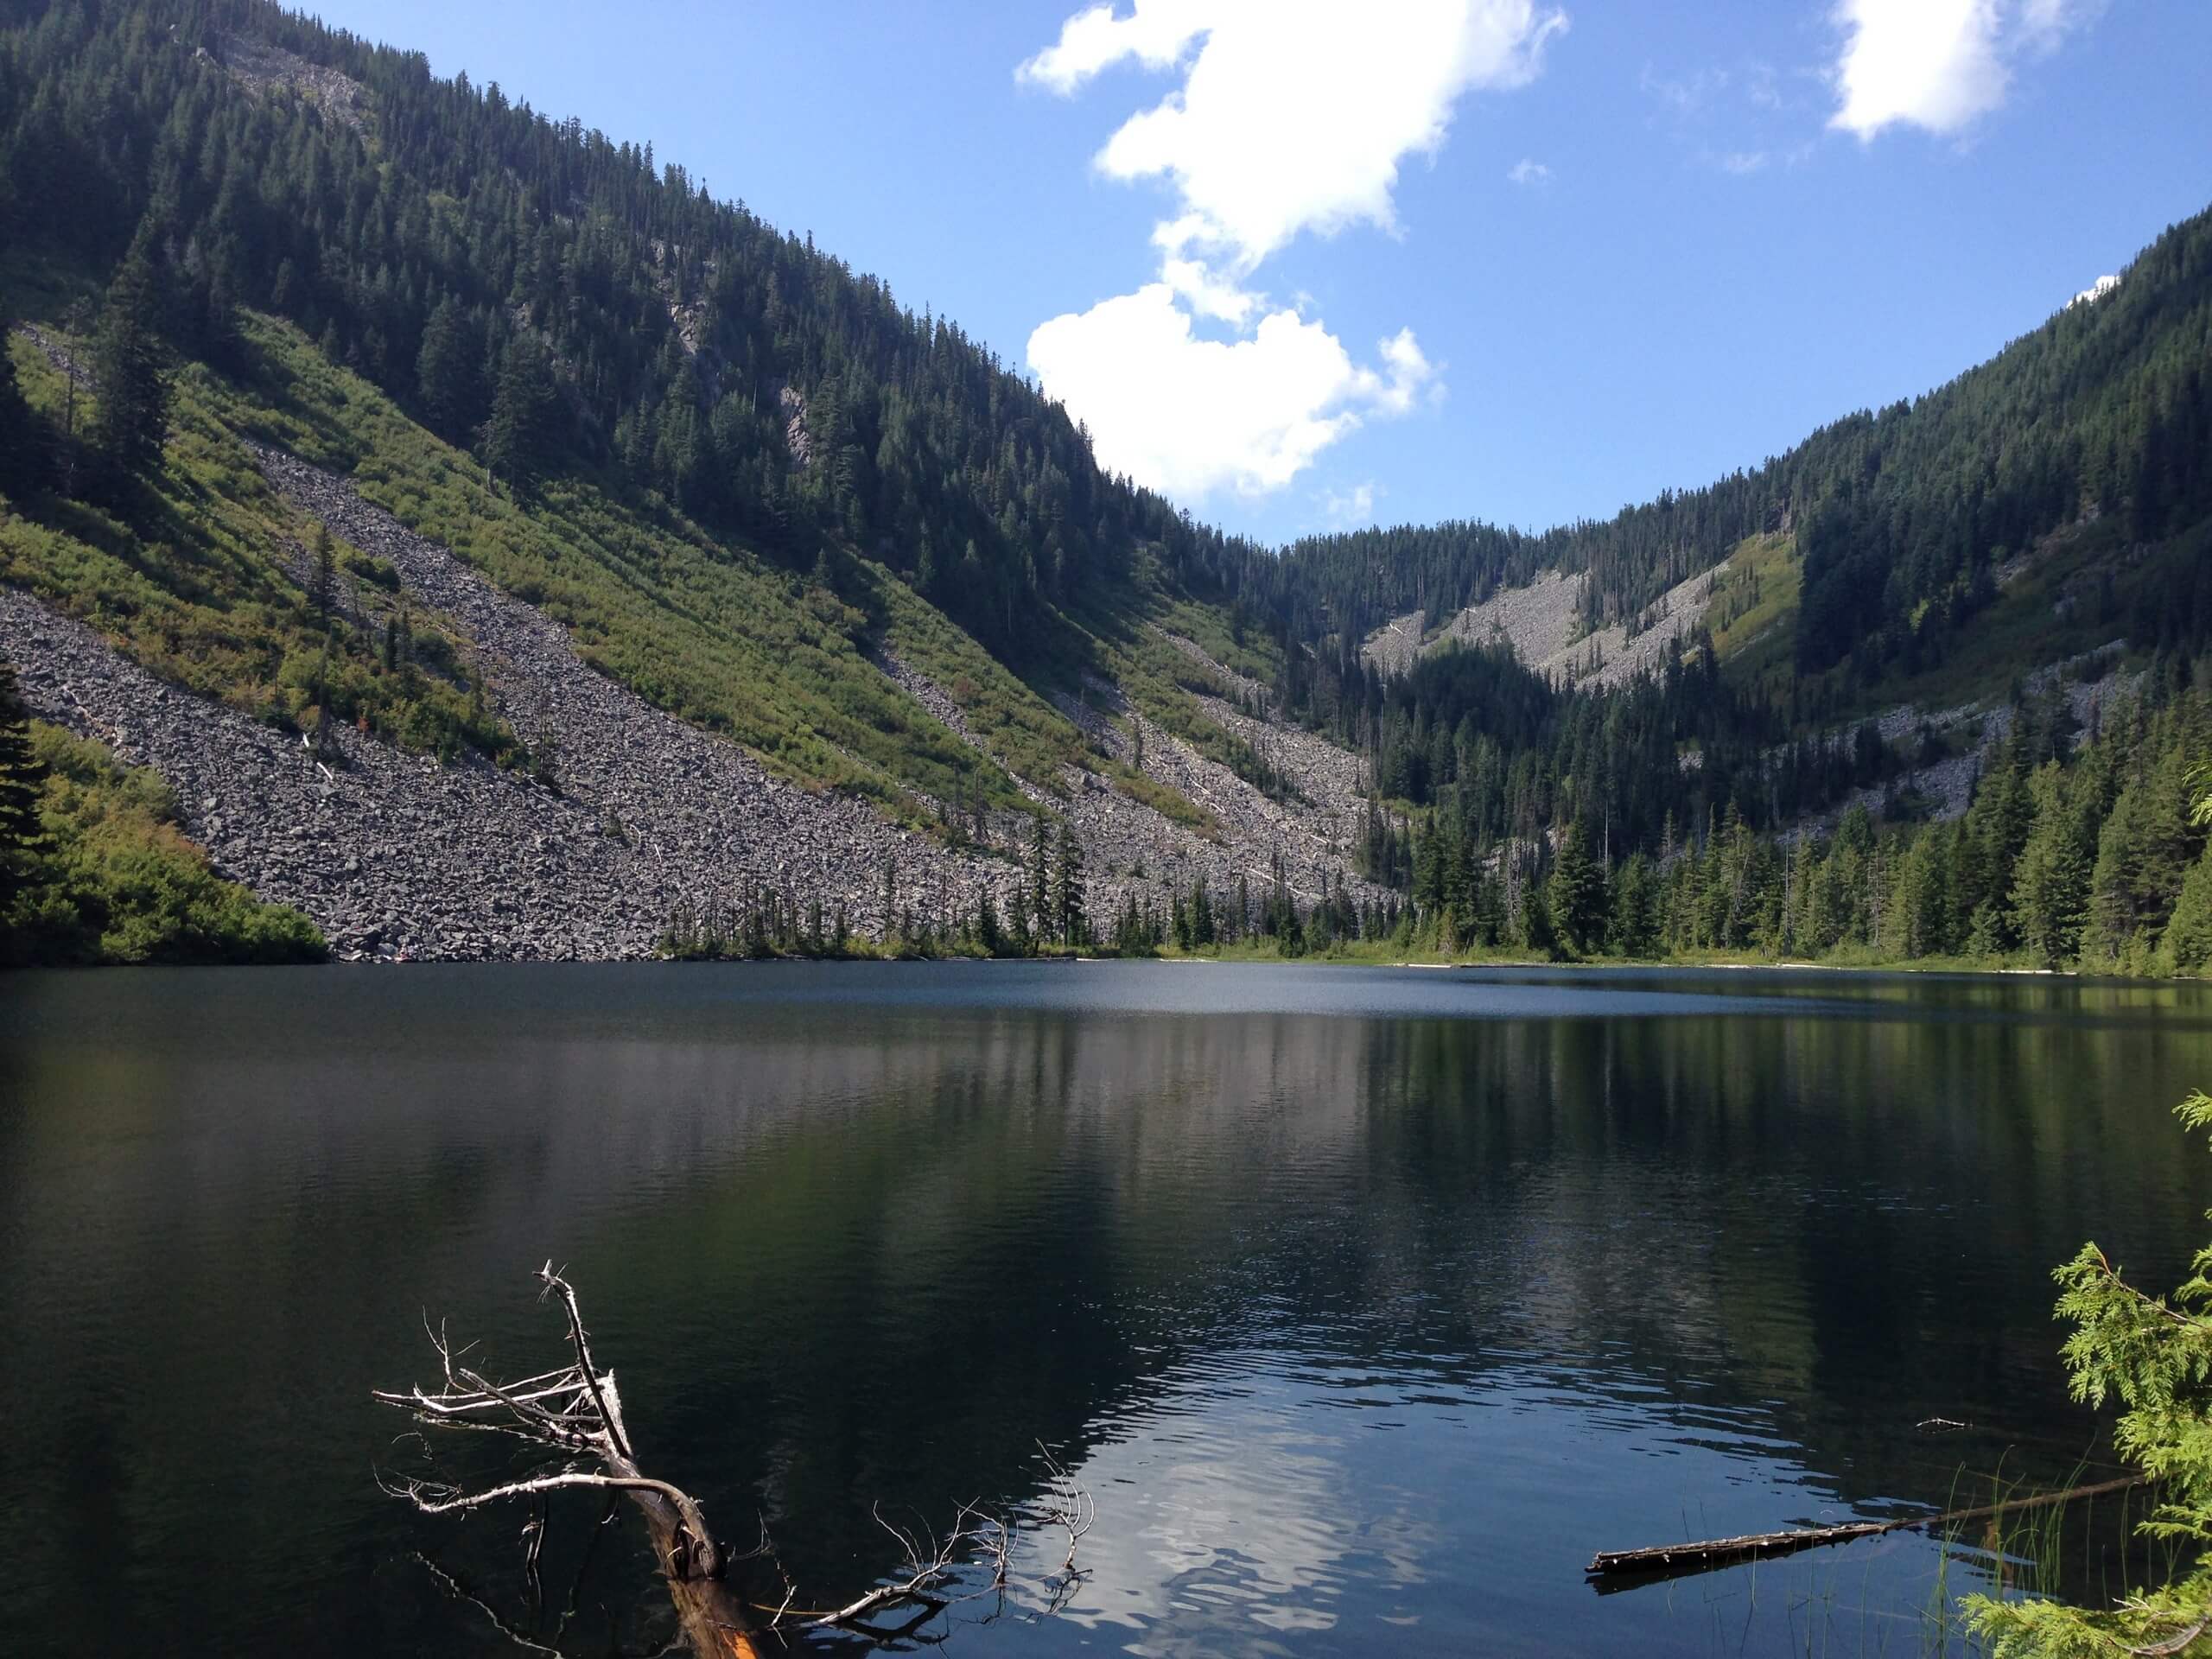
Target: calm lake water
(1366,1303)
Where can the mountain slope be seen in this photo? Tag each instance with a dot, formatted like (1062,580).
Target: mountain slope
(1908,524)
(559,613)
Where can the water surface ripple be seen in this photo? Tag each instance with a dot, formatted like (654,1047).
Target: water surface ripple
(1366,1303)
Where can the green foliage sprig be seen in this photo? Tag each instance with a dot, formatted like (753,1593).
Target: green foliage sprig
(2152,1355)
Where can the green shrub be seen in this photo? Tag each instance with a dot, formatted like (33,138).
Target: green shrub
(114,880)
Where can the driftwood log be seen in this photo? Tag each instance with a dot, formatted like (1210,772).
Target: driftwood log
(1675,1559)
(576,1411)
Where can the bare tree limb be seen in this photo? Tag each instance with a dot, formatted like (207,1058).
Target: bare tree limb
(576,1411)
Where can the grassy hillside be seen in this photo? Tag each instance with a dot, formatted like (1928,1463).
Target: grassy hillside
(201,572)
(2080,590)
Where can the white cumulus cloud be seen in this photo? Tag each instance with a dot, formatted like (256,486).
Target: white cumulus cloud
(1293,115)
(1939,64)
(1189,416)
(1288,116)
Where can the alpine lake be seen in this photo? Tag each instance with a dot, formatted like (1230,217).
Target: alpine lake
(1364,1304)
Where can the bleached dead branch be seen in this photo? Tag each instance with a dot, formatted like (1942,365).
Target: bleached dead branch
(576,1412)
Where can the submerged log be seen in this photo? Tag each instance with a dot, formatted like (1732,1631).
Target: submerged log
(1674,1559)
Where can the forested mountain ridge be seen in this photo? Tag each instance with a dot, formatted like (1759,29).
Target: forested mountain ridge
(448,244)
(1904,519)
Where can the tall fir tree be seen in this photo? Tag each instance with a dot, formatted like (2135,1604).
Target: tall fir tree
(20,778)
(2051,881)
(1067,891)
(129,369)
(449,371)
(518,441)
(1578,894)
(16,431)
(1041,900)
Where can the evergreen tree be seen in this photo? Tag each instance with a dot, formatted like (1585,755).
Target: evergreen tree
(20,778)
(2186,947)
(1632,930)
(1039,883)
(2050,883)
(1067,891)
(1922,917)
(323,579)
(519,440)
(130,379)
(17,434)
(449,371)
(1578,895)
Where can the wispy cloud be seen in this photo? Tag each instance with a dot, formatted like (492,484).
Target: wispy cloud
(1684,95)
(1526,172)
(1351,509)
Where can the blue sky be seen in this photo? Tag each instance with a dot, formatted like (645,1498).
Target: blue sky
(1305,264)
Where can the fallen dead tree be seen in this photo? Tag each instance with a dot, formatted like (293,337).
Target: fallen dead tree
(1676,1559)
(576,1411)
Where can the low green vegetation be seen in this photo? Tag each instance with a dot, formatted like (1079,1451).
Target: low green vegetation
(772,657)
(197,569)
(93,869)
(1752,615)
(2153,1355)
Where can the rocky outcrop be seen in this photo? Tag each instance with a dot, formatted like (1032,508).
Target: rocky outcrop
(798,437)
(1542,620)
(257,66)
(1972,733)
(1394,647)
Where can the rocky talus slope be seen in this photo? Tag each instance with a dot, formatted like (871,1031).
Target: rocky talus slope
(394,854)
(1132,848)
(391,853)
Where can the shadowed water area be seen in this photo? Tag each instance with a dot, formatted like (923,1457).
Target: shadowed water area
(1367,1304)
